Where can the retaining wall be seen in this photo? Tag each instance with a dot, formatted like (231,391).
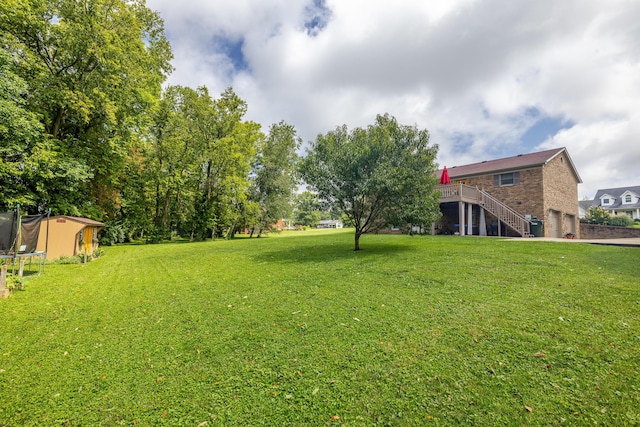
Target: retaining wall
(595,231)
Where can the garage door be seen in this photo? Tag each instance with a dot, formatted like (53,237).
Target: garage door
(555,223)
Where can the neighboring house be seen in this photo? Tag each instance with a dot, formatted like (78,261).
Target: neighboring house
(532,194)
(68,236)
(583,207)
(329,223)
(623,200)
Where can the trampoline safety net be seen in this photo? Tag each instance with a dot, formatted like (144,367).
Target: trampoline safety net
(27,240)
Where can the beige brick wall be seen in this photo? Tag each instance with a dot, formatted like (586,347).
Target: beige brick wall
(561,193)
(526,197)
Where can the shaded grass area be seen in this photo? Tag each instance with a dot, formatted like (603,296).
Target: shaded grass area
(300,330)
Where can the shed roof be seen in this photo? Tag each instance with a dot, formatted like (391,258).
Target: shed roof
(85,221)
(521,161)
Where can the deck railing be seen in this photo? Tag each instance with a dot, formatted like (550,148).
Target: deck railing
(448,191)
(500,210)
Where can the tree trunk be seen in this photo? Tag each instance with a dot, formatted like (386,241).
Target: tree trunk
(57,122)
(357,241)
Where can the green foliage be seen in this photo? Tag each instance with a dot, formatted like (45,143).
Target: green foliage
(379,176)
(297,330)
(307,209)
(274,174)
(597,215)
(20,131)
(14,283)
(620,220)
(93,70)
(112,233)
(197,165)
(65,260)
(97,253)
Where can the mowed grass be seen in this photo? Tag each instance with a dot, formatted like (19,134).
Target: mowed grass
(298,329)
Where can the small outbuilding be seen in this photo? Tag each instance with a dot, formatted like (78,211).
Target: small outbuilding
(68,236)
(329,223)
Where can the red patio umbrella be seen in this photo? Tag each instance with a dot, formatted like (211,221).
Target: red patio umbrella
(444,178)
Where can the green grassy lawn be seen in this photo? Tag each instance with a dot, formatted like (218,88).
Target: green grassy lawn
(297,329)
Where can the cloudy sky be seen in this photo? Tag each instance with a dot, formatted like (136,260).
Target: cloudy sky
(487,78)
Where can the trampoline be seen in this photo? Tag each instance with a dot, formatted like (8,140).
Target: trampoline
(19,240)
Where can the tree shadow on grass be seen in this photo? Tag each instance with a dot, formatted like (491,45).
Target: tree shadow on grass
(327,253)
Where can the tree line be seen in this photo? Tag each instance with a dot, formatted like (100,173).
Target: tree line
(86,129)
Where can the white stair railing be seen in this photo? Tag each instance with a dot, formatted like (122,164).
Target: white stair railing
(504,213)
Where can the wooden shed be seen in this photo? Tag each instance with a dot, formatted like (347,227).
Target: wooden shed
(68,236)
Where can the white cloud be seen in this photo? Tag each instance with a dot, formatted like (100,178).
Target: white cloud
(470,71)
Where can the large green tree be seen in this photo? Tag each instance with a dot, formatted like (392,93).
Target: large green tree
(20,130)
(307,209)
(378,176)
(94,68)
(197,164)
(29,162)
(171,165)
(227,145)
(274,172)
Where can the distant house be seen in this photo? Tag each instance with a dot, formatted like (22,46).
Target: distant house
(329,223)
(68,236)
(623,200)
(532,194)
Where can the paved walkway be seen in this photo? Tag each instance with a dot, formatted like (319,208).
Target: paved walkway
(632,241)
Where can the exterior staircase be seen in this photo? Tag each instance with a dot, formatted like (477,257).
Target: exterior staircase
(506,215)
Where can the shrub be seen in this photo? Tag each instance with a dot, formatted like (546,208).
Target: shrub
(621,220)
(97,253)
(14,283)
(597,215)
(112,233)
(67,260)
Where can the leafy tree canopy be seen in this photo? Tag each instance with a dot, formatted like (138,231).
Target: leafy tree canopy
(274,172)
(94,69)
(198,158)
(307,209)
(20,131)
(381,175)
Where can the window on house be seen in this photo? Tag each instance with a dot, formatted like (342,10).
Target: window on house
(605,201)
(503,179)
(627,198)
(506,179)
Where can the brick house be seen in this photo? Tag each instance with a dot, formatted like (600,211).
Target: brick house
(532,194)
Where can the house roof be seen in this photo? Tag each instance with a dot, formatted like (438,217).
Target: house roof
(585,204)
(85,221)
(521,161)
(617,194)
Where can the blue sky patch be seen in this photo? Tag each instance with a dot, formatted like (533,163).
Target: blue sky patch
(317,16)
(543,128)
(462,142)
(232,49)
